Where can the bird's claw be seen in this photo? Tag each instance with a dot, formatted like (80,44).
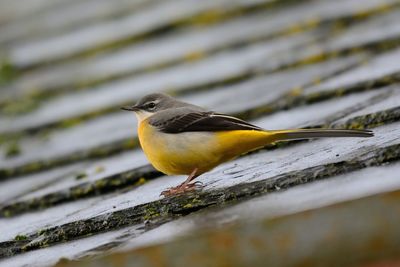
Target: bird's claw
(181,189)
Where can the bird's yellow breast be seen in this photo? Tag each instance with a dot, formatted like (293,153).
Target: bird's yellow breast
(181,153)
(177,153)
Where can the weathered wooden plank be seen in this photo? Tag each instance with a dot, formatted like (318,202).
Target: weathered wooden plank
(55,20)
(12,10)
(368,32)
(378,69)
(14,189)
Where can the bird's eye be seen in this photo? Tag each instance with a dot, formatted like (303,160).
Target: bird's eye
(151,105)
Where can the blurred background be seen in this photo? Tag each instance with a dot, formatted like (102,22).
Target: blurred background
(75,184)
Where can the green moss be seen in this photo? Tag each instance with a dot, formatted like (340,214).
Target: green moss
(151,212)
(114,182)
(19,106)
(7,72)
(41,231)
(20,237)
(69,123)
(141,181)
(99,169)
(13,149)
(7,213)
(372,120)
(80,176)
(102,183)
(188,206)
(33,167)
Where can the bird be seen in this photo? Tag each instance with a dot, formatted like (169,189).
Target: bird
(180,138)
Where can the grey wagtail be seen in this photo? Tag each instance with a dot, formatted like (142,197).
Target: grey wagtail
(179,138)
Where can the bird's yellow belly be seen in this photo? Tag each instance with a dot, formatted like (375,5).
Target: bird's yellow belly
(183,152)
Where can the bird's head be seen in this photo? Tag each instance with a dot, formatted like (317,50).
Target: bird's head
(151,104)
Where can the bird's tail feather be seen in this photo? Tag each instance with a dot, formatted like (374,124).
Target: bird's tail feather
(298,134)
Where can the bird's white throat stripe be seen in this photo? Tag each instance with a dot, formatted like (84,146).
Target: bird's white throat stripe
(142,115)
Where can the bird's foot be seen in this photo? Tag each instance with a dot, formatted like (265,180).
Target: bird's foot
(182,188)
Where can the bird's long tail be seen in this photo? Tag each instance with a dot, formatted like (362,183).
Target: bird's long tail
(298,134)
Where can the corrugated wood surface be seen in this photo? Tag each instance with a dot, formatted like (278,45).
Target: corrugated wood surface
(74,182)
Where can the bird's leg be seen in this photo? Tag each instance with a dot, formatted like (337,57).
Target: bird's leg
(186,186)
(190,178)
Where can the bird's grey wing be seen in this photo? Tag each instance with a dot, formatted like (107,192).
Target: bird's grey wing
(190,120)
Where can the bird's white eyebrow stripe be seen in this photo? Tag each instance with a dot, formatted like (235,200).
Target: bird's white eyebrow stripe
(153,101)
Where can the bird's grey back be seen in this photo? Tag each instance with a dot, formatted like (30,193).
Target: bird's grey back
(178,110)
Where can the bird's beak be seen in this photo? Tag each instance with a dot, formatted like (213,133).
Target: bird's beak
(130,108)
